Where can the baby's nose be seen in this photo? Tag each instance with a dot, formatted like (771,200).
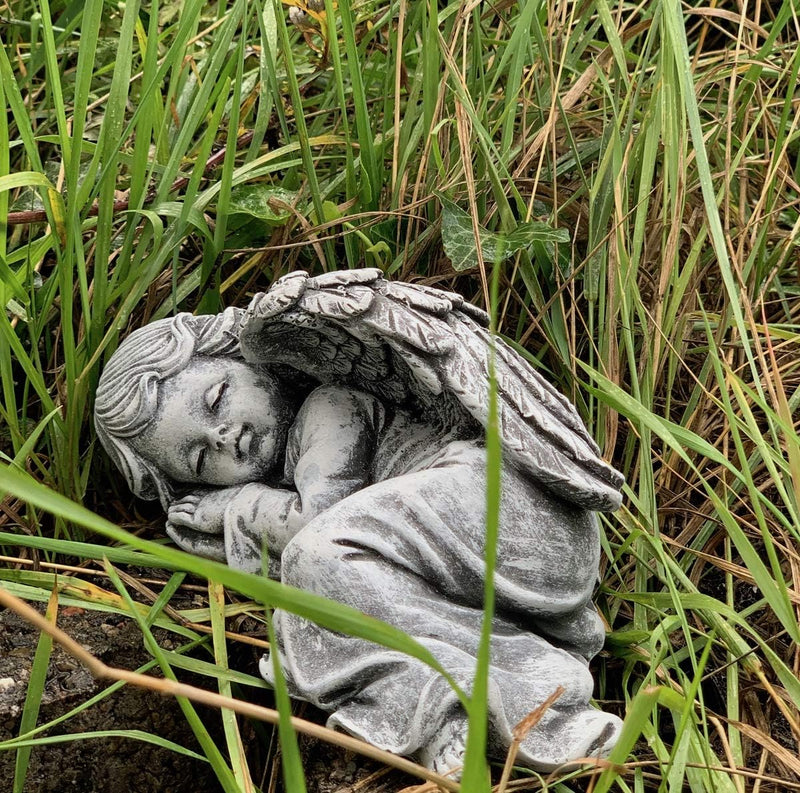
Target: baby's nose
(220,436)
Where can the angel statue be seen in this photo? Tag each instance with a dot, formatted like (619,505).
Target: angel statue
(337,426)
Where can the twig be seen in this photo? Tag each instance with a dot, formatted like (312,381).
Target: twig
(69,568)
(175,689)
(174,614)
(663,766)
(40,215)
(520,732)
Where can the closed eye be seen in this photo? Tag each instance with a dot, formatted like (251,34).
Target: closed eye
(214,395)
(201,461)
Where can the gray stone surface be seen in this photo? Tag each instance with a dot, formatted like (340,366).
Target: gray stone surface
(337,426)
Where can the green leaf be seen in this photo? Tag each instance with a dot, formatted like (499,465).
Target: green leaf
(458,237)
(262,201)
(330,212)
(179,210)
(525,234)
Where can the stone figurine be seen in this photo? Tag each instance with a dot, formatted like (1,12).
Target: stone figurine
(337,426)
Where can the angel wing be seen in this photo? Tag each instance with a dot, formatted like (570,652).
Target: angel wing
(428,350)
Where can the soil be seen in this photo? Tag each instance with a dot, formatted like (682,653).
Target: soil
(114,765)
(95,765)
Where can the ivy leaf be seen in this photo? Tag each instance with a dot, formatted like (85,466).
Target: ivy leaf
(525,234)
(265,202)
(459,239)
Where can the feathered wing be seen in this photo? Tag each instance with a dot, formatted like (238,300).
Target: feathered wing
(423,348)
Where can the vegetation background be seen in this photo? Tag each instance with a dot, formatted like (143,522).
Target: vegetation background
(634,165)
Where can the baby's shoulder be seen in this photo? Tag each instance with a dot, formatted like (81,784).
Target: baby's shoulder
(341,405)
(332,392)
(338,396)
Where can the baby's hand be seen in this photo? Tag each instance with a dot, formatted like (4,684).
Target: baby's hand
(203,510)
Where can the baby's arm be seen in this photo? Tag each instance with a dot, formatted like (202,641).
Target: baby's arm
(331,447)
(329,456)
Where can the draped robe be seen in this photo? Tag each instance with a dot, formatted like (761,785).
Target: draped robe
(386,514)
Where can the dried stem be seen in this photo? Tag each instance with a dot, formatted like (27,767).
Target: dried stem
(521,731)
(175,689)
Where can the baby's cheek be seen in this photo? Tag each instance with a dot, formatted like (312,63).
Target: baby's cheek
(243,472)
(222,472)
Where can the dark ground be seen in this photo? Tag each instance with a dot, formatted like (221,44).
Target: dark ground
(126,765)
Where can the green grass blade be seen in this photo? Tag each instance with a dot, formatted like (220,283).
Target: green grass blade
(134,735)
(320,610)
(212,753)
(233,738)
(370,176)
(293,775)
(54,81)
(476,772)
(108,151)
(34,693)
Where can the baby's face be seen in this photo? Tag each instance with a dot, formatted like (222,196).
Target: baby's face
(219,422)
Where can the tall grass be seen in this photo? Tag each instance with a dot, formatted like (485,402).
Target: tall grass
(156,156)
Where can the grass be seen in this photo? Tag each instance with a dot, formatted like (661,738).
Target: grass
(185,156)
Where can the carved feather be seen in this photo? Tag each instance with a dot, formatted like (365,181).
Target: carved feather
(419,347)
(344,278)
(340,303)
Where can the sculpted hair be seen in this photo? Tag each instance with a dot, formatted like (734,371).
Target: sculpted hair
(127,395)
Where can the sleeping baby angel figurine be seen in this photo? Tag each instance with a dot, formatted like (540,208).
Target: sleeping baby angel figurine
(332,434)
